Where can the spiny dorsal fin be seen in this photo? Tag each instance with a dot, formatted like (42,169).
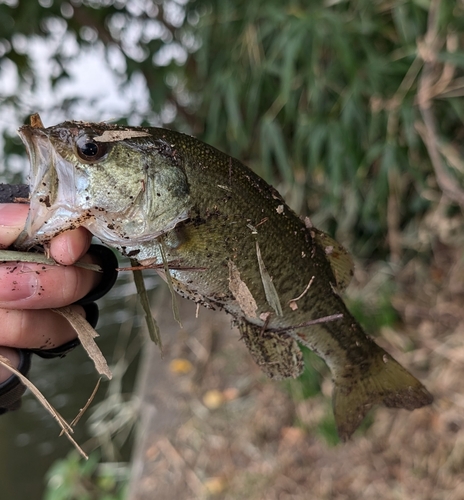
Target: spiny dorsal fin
(340,260)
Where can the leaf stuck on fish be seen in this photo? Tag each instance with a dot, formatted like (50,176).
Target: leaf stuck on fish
(270,291)
(120,135)
(241,292)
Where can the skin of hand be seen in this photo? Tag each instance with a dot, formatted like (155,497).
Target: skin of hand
(28,291)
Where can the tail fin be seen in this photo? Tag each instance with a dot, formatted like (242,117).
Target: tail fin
(386,381)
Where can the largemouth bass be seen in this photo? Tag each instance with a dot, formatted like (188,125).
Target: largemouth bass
(230,242)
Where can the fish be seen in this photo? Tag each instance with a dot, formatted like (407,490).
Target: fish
(223,238)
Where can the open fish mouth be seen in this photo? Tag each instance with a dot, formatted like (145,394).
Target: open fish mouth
(52,190)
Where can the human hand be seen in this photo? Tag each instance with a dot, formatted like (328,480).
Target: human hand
(28,291)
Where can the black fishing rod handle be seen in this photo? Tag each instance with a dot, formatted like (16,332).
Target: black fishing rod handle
(14,193)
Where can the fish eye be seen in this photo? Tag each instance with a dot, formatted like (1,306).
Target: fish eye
(89,150)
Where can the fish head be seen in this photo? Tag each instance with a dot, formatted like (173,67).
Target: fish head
(124,184)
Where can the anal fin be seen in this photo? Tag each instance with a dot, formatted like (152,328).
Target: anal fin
(277,354)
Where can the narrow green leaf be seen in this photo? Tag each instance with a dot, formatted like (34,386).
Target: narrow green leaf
(153,328)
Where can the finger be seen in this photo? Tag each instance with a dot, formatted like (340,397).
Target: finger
(66,248)
(12,219)
(25,285)
(35,329)
(70,246)
(13,356)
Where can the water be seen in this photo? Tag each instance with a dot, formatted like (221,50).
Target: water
(29,438)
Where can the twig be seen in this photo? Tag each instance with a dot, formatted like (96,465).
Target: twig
(324,319)
(40,258)
(293,303)
(76,419)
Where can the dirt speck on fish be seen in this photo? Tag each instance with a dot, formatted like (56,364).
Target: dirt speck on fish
(152,192)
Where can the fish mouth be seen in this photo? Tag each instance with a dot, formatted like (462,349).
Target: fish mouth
(50,211)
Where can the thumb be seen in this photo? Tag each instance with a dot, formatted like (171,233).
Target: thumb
(12,220)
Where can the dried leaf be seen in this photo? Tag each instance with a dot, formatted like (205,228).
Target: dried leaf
(36,121)
(153,329)
(120,135)
(241,292)
(86,335)
(66,428)
(270,291)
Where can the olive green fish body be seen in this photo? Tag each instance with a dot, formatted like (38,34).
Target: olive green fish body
(230,242)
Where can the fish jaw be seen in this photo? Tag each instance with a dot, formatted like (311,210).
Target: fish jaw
(54,190)
(127,208)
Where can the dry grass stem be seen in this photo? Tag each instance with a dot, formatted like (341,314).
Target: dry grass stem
(76,419)
(66,428)
(293,303)
(426,92)
(40,258)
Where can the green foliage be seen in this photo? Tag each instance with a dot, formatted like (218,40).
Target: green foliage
(328,430)
(327,92)
(308,384)
(76,479)
(376,313)
(321,98)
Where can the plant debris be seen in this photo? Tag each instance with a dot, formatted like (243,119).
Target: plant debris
(86,335)
(241,292)
(270,291)
(66,428)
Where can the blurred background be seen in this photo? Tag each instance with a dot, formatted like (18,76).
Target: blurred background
(353,110)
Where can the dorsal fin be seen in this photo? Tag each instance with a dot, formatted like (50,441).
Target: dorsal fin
(340,260)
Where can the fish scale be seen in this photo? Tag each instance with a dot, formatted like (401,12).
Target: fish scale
(231,241)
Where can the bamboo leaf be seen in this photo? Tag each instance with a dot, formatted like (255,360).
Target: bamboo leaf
(153,328)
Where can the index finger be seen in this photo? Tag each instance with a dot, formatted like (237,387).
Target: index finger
(66,248)
(12,220)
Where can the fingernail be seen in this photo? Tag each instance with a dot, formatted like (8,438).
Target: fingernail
(17,281)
